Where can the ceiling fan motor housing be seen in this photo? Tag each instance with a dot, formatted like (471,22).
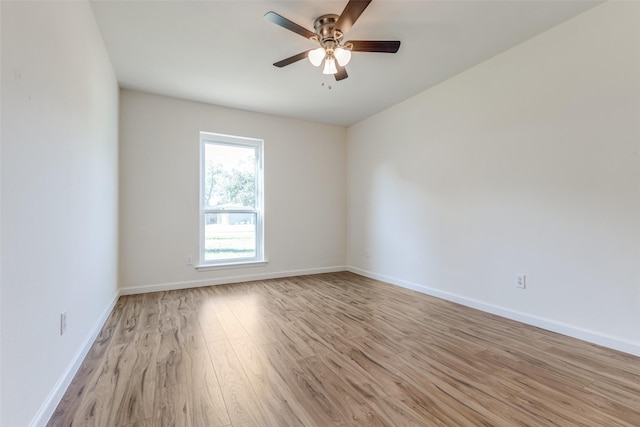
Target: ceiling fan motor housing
(324,29)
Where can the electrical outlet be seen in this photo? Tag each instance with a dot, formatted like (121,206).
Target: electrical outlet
(63,322)
(189,260)
(521,281)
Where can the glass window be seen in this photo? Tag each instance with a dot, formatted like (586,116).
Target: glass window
(231,198)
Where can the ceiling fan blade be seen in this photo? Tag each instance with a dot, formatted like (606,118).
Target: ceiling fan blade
(289,25)
(341,74)
(385,46)
(292,59)
(350,14)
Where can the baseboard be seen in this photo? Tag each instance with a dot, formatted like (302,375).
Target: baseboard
(51,402)
(550,325)
(225,280)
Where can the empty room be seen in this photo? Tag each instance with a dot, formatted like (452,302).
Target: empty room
(319,213)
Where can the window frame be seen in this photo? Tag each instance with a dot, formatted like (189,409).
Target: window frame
(258,210)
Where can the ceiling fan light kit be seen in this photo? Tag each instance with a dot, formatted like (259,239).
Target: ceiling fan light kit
(343,56)
(316,56)
(329,33)
(329,66)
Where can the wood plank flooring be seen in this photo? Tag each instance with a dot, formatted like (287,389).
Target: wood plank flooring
(338,350)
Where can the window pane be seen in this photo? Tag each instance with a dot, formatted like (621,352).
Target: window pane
(230,177)
(229,235)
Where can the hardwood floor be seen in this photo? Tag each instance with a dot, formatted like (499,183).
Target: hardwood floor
(338,350)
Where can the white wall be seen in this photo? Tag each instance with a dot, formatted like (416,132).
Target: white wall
(0,220)
(59,199)
(305,191)
(527,163)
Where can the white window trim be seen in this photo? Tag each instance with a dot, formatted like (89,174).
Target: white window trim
(209,267)
(259,259)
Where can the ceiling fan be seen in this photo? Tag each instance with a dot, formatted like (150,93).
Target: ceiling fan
(329,33)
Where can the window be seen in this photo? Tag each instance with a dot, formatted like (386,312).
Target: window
(231,215)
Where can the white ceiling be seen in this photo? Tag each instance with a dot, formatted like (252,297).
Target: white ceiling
(221,52)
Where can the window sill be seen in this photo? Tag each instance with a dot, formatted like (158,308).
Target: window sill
(238,264)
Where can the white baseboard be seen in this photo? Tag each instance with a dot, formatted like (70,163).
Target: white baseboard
(550,325)
(53,399)
(225,280)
